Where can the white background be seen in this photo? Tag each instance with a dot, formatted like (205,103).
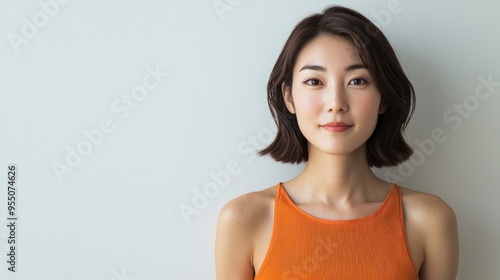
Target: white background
(117,215)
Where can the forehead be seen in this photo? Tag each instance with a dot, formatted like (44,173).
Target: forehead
(331,52)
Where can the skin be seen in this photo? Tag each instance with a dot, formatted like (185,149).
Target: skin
(337,182)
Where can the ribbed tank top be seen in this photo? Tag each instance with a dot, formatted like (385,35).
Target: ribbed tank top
(306,247)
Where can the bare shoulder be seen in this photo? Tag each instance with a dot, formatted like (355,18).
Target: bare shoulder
(433,234)
(426,207)
(249,209)
(240,223)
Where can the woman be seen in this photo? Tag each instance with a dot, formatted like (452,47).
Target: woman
(341,101)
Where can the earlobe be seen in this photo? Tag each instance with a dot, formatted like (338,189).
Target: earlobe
(382,108)
(287,97)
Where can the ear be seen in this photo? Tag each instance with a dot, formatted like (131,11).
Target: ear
(382,108)
(287,97)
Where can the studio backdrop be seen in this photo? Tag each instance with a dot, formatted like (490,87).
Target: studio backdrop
(125,126)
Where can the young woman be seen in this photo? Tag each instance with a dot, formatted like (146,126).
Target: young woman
(341,101)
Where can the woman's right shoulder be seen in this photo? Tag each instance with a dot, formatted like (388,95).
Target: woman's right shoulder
(249,209)
(241,221)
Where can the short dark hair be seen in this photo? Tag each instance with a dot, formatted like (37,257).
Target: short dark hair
(386,146)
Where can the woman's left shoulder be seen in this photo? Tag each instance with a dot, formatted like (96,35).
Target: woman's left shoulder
(424,206)
(432,232)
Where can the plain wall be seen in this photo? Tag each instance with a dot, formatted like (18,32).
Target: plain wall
(120,116)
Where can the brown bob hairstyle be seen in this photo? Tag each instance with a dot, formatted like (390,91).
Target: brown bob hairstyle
(386,146)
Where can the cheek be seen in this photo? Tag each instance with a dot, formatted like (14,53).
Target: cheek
(307,106)
(307,110)
(368,104)
(367,109)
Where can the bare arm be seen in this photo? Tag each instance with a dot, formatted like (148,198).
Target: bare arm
(440,232)
(233,244)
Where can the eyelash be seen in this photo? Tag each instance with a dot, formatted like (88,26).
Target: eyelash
(362,80)
(309,80)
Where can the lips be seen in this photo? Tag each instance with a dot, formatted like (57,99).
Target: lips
(336,126)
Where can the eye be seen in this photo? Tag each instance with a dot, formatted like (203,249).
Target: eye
(358,82)
(313,82)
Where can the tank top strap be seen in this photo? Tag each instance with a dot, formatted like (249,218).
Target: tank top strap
(391,208)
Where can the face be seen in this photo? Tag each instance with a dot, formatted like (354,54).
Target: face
(333,96)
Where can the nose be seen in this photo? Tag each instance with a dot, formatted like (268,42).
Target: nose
(335,100)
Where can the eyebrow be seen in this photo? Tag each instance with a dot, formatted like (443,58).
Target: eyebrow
(313,67)
(323,69)
(355,67)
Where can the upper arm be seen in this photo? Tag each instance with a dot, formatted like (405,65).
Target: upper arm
(234,241)
(440,235)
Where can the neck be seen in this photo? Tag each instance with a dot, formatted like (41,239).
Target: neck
(335,178)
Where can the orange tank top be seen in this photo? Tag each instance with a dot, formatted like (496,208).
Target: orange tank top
(306,247)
